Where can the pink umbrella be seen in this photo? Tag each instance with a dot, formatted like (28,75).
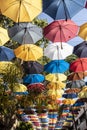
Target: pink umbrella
(61,30)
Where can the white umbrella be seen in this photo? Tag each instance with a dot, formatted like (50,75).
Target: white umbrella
(55,52)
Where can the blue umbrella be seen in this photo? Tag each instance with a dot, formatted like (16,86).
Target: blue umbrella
(70,95)
(56,66)
(62,9)
(33,78)
(6,54)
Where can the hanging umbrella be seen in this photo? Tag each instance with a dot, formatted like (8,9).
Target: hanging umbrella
(21,10)
(6,54)
(70,95)
(75,84)
(83,94)
(72,90)
(56,66)
(32,67)
(58,85)
(33,78)
(79,65)
(83,31)
(36,88)
(62,9)
(76,76)
(55,77)
(55,52)
(81,49)
(68,101)
(25,33)
(3,36)
(60,31)
(19,89)
(28,52)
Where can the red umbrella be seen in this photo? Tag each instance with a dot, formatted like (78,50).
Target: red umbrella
(61,31)
(79,65)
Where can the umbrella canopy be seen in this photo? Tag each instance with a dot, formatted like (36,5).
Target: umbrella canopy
(36,87)
(6,54)
(55,77)
(62,9)
(72,90)
(60,31)
(32,67)
(55,52)
(21,10)
(3,36)
(25,33)
(83,31)
(79,65)
(19,89)
(68,101)
(83,94)
(56,66)
(28,52)
(81,50)
(33,78)
(70,95)
(57,85)
(75,84)
(77,76)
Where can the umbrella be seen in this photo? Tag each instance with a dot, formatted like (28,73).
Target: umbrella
(25,33)
(19,88)
(21,10)
(3,36)
(33,78)
(70,95)
(83,94)
(32,67)
(57,85)
(83,31)
(81,49)
(72,90)
(36,87)
(75,84)
(6,54)
(79,65)
(55,52)
(68,101)
(55,77)
(56,66)
(62,9)
(28,52)
(60,31)
(76,76)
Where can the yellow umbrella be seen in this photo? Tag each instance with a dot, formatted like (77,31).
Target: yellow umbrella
(21,10)
(3,36)
(82,94)
(4,65)
(57,85)
(17,87)
(83,31)
(68,101)
(55,77)
(28,52)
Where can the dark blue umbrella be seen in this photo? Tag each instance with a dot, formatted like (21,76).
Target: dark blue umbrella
(33,78)
(81,50)
(62,9)
(6,54)
(56,66)
(32,67)
(70,95)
